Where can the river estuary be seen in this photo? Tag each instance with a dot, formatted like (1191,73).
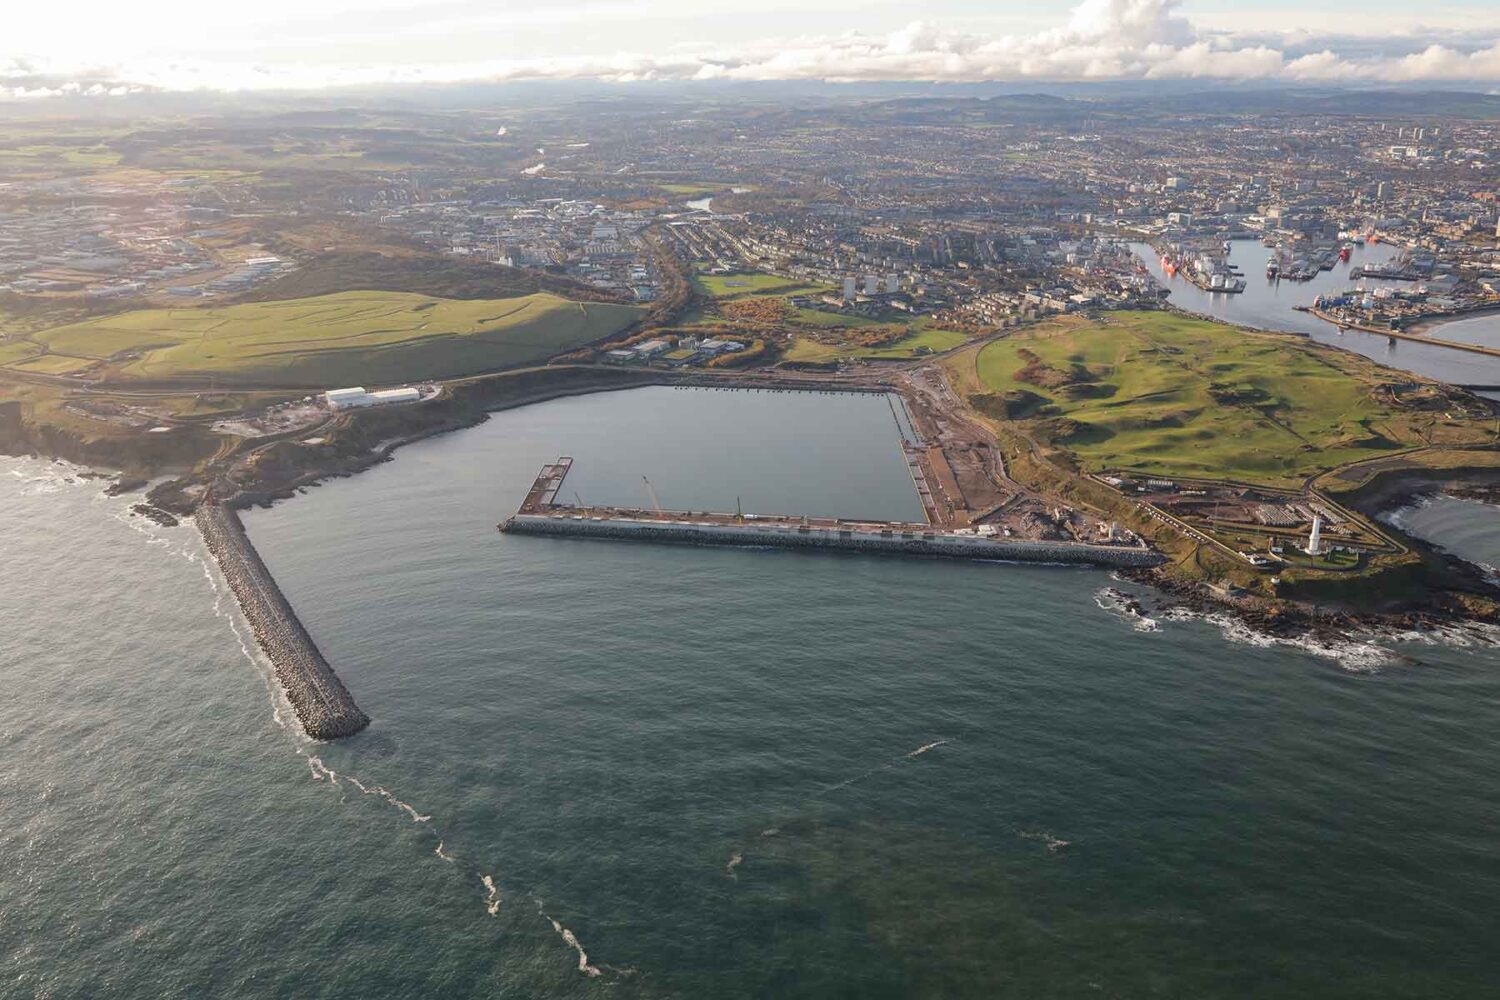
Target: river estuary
(606,769)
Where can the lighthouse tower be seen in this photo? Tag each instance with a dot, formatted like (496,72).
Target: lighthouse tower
(1315,538)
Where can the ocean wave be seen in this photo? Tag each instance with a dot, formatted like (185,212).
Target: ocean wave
(735,860)
(1124,606)
(572,940)
(918,752)
(229,610)
(439,852)
(1356,654)
(320,771)
(1461,635)
(926,747)
(1053,844)
(492,892)
(381,791)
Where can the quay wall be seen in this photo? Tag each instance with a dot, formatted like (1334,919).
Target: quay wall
(795,537)
(324,706)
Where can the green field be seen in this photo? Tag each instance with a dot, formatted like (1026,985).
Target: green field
(807,349)
(52,364)
(12,351)
(730,286)
(345,338)
(817,317)
(1159,393)
(696,187)
(936,341)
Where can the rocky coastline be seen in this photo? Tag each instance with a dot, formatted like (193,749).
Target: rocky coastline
(278,470)
(1289,620)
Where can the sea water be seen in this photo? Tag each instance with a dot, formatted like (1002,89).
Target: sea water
(616,769)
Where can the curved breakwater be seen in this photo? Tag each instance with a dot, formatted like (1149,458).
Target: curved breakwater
(797,537)
(324,706)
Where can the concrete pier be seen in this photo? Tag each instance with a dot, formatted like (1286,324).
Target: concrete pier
(542,514)
(324,706)
(907,540)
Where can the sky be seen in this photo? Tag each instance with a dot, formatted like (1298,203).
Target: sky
(108,47)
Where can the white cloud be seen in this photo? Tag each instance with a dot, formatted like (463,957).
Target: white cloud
(1101,40)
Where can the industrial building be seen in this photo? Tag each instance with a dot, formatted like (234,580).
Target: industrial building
(356,397)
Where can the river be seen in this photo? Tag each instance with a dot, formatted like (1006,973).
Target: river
(1269,304)
(612,769)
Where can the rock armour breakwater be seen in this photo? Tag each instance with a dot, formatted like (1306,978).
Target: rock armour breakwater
(324,706)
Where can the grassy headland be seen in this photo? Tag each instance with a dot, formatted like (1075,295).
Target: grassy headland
(358,336)
(1158,394)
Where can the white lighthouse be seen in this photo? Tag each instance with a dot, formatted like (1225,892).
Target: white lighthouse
(1315,538)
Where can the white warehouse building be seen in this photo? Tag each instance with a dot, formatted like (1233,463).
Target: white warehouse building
(355,397)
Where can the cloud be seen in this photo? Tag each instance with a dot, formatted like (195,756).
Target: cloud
(1100,40)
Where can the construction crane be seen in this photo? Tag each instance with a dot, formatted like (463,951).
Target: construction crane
(651,490)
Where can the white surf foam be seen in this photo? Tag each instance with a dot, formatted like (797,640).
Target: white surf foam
(1053,844)
(918,752)
(572,940)
(492,892)
(225,606)
(735,860)
(1118,604)
(381,791)
(439,852)
(320,771)
(1357,654)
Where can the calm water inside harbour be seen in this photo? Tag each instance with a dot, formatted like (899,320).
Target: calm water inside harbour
(612,769)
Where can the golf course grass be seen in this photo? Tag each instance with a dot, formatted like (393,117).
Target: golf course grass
(1161,393)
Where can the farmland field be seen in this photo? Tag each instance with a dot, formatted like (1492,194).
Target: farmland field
(16,350)
(52,364)
(348,337)
(1165,394)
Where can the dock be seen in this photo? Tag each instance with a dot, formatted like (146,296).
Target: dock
(542,513)
(324,706)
